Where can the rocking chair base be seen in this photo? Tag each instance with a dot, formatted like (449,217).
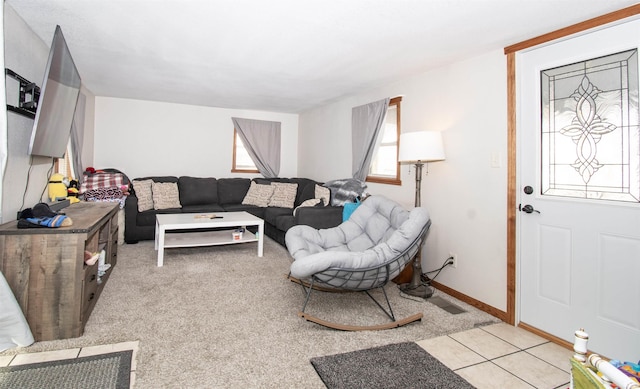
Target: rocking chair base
(344,327)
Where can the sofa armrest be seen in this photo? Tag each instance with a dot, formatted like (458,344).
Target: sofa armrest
(319,217)
(130,215)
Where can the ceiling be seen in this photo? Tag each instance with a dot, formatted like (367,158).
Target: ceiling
(282,55)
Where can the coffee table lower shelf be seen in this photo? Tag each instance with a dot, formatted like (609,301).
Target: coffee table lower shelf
(204,238)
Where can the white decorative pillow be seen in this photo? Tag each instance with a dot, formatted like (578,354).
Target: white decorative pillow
(308,203)
(258,194)
(165,195)
(144,194)
(284,195)
(323,193)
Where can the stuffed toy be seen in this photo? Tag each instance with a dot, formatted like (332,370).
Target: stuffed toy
(73,192)
(58,187)
(61,188)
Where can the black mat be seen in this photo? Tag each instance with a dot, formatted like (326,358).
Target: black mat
(102,371)
(401,365)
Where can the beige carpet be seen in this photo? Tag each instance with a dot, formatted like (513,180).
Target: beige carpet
(221,317)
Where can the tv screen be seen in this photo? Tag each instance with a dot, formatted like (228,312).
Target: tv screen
(57,102)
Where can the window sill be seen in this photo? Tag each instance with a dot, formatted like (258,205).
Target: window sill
(380,180)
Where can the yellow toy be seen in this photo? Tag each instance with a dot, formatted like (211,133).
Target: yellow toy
(58,188)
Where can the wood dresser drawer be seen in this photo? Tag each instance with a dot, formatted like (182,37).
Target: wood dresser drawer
(89,290)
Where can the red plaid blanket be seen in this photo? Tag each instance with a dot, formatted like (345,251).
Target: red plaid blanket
(102,180)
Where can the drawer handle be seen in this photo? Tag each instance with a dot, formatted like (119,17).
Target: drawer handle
(91,296)
(93,278)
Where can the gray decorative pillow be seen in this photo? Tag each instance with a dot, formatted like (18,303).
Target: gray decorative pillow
(308,203)
(165,195)
(144,194)
(323,193)
(258,194)
(284,195)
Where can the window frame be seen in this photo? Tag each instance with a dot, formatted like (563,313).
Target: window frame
(65,163)
(391,180)
(234,168)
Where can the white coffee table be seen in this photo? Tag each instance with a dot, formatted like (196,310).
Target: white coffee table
(168,224)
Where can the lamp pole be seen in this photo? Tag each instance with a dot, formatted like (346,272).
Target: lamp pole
(415,287)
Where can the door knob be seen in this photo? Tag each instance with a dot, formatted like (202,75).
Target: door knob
(528,209)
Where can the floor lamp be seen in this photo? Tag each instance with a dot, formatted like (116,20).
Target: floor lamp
(418,148)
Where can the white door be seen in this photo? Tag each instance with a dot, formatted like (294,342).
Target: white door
(579,185)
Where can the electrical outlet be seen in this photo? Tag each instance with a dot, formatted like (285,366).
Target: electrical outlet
(455,260)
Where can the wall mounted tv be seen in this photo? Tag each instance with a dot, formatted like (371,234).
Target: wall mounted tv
(57,102)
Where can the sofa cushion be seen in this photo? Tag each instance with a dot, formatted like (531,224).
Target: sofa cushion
(258,194)
(284,195)
(148,218)
(160,178)
(232,190)
(198,191)
(252,209)
(271,214)
(202,208)
(165,195)
(309,203)
(143,192)
(284,222)
(305,189)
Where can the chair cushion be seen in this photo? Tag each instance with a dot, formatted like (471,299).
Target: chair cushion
(377,232)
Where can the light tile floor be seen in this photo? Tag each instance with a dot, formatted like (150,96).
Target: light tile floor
(45,356)
(503,356)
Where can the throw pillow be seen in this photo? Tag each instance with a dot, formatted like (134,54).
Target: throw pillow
(284,195)
(308,203)
(323,193)
(144,194)
(258,194)
(165,195)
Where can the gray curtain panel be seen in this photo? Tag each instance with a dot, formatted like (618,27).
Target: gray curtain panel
(366,122)
(261,138)
(77,137)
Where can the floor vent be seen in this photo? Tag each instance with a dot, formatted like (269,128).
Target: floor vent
(446,305)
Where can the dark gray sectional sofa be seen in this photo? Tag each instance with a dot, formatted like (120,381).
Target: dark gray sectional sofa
(200,194)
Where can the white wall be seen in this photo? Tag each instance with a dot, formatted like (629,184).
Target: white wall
(465,195)
(26,178)
(146,138)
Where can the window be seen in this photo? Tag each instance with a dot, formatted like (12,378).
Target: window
(242,162)
(64,165)
(590,129)
(385,168)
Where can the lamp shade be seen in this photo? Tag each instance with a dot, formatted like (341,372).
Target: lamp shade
(425,146)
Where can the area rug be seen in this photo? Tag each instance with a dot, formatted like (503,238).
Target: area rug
(400,365)
(102,371)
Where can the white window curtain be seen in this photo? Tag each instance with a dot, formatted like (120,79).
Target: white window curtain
(366,122)
(77,138)
(261,138)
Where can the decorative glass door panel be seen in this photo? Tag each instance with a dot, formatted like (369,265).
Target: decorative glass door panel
(591,129)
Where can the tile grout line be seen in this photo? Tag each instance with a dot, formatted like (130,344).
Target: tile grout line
(501,356)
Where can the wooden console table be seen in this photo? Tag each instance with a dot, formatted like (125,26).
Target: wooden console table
(46,271)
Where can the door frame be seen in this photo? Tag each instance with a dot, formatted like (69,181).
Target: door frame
(512,190)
